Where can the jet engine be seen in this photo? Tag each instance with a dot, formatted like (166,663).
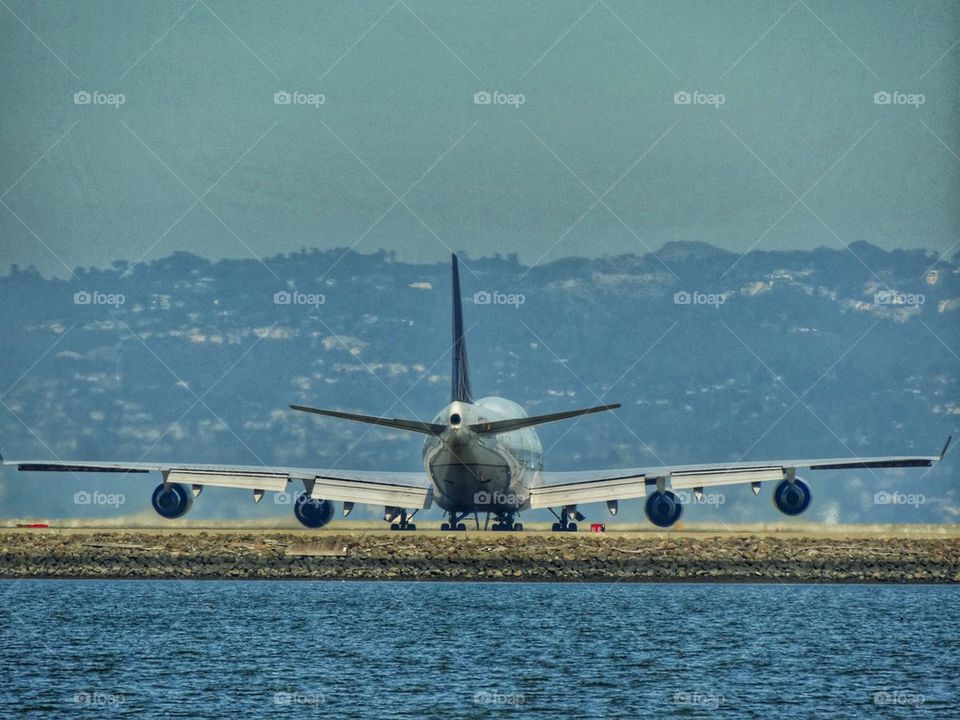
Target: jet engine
(313,513)
(172,500)
(664,508)
(792,498)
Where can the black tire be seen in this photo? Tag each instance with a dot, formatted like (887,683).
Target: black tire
(394,526)
(518,527)
(556,527)
(411,526)
(444,527)
(571,527)
(461,526)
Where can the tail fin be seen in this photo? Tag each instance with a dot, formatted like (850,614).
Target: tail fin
(461,371)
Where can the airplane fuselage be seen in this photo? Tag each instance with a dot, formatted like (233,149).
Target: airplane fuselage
(482,473)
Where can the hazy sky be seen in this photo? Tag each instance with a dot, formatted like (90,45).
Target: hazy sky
(783,147)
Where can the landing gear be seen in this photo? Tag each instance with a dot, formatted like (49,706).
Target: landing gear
(454,522)
(506,523)
(403,521)
(565,524)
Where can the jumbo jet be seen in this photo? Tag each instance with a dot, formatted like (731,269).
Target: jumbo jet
(479,456)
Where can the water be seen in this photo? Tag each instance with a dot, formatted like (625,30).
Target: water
(158,649)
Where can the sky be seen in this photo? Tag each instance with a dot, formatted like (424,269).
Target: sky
(546,128)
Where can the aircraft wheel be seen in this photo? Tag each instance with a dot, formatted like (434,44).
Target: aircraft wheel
(444,527)
(461,526)
(571,527)
(394,526)
(518,527)
(556,527)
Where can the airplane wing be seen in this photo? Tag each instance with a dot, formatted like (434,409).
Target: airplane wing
(571,488)
(392,489)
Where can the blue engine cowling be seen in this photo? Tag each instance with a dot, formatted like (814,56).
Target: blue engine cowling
(664,508)
(172,500)
(792,498)
(313,513)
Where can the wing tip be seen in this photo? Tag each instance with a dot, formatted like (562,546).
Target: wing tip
(943,452)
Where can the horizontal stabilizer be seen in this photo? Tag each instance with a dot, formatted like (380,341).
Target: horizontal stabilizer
(411,425)
(501,426)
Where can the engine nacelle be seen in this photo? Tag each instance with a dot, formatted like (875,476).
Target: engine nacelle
(172,500)
(313,513)
(792,498)
(664,508)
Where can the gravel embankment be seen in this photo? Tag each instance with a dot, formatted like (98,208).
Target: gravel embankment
(631,557)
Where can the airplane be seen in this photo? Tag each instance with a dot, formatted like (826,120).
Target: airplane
(479,456)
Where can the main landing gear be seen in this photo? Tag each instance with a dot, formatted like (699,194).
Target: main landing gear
(506,523)
(454,522)
(564,523)
(401,520)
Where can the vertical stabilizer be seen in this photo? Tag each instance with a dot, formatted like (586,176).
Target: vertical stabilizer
(461,371)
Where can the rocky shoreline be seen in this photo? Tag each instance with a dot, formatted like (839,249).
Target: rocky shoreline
(613,557)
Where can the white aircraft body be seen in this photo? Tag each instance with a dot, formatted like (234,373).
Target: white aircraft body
(480,456)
